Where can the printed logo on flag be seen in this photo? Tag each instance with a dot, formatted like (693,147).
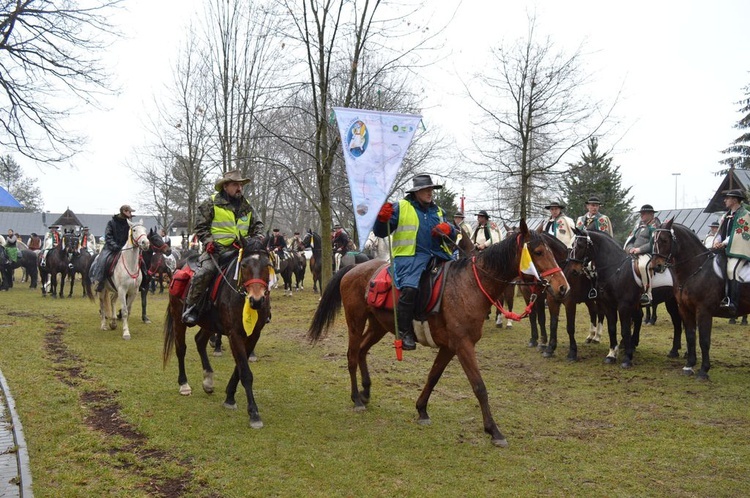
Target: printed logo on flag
(358,137)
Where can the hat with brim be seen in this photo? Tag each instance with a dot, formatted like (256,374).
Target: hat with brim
(459,215)
(594,200)
(126,207)
(647,208)
(230,176)
(483,213)
(554,204)
(421,182)
(735,192)
(714,224)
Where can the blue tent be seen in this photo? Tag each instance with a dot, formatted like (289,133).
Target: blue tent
(7,200)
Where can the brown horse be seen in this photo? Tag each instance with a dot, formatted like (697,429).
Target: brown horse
(313,241)
(470,287)
(226,317)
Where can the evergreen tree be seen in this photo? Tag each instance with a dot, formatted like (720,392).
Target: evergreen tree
(446,199)
(594,175)
(23,189)
(740,147)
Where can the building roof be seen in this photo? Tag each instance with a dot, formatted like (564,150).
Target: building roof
(25,223)
(736,178)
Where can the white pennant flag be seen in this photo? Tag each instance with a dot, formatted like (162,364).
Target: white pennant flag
(374,144)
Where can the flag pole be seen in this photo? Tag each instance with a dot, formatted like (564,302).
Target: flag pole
(397,341)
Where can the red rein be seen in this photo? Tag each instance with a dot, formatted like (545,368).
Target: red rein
(509,314)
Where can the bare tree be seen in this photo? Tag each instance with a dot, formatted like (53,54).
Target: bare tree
(534,113)
(49,53)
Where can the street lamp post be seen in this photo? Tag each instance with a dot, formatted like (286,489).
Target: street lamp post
(675,188)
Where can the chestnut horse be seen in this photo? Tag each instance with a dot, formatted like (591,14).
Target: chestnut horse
(470,287)
(698,286)
(226,317)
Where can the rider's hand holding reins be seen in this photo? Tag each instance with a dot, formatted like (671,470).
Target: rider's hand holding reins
(211,247)
(385,212)
(441,230)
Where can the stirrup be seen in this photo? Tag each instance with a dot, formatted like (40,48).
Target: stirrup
(645,300)
(725,303)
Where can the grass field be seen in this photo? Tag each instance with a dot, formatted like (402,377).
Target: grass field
(102,418)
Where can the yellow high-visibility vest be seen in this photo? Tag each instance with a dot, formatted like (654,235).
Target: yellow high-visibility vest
(404,241)
(224,228)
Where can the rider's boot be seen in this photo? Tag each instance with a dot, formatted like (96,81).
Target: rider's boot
(728,303)
(734,297)
(191,311)
(405,312)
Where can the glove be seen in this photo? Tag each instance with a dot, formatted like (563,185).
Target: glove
(385,212)
(211,247)
(441,230)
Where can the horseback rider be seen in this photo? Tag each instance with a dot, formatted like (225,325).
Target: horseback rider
(223,220)
(733,238)
(593,219)
(713,228)
(485,233)
(51,239)
(640,245)
(296,243)
(115,237)
(460,224)
(417,226)
(35,242)
(340,242)
(165,237)
(277,244)
(88,242)
(558,225)
(10,246)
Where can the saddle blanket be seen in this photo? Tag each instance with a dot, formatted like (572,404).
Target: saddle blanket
(659,280)
(743,271)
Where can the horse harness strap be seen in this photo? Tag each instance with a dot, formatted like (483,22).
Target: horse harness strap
(498,304)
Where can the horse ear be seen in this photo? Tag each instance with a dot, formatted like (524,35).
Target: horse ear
(523,228)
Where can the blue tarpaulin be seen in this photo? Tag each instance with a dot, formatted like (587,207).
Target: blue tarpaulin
(7,200)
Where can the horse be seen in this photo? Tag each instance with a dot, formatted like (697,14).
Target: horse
(58,261)
(288,268)
(470,285)
(151,259)
(313,241)
(698,287)
(27,259)
(6,270)
(251,293)
(124,282)
(299,270)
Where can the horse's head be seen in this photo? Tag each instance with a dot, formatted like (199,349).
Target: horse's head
(139,235)
(544,261)
(665,247)
(255,274)
(70,243)
(580,252)
(157,243)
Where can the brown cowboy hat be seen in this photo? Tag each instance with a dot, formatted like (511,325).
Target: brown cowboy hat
(230,176)
(420,182)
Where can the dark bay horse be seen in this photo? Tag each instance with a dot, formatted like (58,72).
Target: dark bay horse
(698,287)
(471,285)
(226,317)
(289,268)
(313,241)
(6,270)
(157,248)
(618,292)
(27,259)
(57,262)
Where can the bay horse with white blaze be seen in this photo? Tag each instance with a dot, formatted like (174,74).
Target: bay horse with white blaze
(236,300)
(469,287)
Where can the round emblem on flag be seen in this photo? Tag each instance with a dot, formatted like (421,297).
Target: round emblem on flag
(358,138)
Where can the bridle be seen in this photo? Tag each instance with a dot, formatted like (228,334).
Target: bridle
(583,260)
(656,251)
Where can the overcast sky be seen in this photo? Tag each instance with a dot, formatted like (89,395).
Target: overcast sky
(681,64)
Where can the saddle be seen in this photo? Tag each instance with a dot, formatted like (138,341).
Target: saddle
(380,295)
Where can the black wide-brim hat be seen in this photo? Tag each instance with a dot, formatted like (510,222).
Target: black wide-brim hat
(420,182)
(554,204)
(459,214)
(594,200)
(483,213)
(735,192)
(647,208)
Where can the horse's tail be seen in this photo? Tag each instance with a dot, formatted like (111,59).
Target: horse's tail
(87,286)
(168,338)
(328,307)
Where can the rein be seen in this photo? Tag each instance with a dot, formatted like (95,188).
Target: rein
(497,302)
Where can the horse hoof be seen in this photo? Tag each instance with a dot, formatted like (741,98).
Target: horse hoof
(626,364)
(252,358)
(360,408)
(687,371)
(186,390)
(609,360)
(595,341)
(673,354)
(547,354)
(424,421)
(532,344)
(208,389)
(146,320)
(589,340)
(256,424)
(229,406)
(500,443)
(509,326)
(218,353)
(126,337)
(702,375)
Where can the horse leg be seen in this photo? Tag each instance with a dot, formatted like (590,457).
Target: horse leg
(178,330)
(626,324)
(201,341)
(126,301)
(705,322)
(373,335)
(674,313)
(62,284)
(570,326)
(467,357)
(541,316)
(593,336)
(144,299)
(72,282)
(554,319)
(442,359)
(355,358)
(246,377)
(534,340)
(612,331)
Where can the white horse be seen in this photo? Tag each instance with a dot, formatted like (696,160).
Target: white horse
(377,247)
(127,279)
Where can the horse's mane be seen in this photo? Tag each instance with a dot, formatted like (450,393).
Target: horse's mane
(497,258)
(687,236)
(557,246)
